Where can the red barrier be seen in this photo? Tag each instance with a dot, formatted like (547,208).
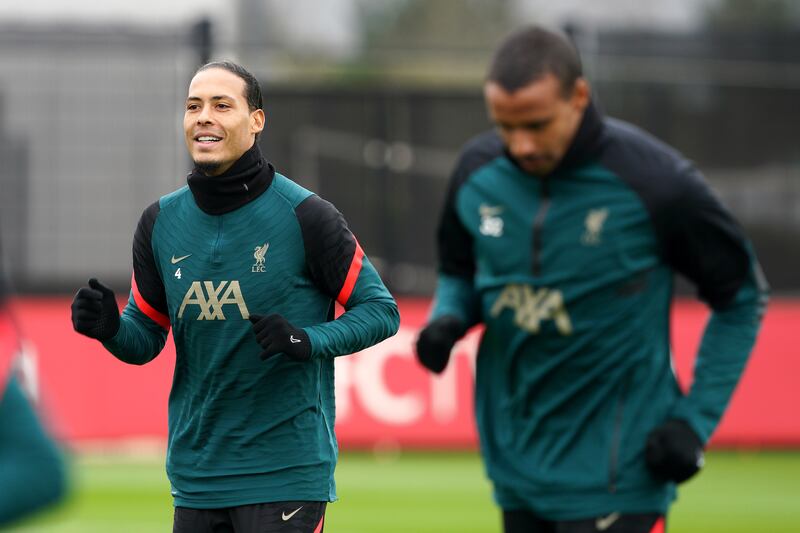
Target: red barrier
(383,397)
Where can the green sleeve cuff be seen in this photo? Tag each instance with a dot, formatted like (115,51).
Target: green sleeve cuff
(456,296)
(139,339)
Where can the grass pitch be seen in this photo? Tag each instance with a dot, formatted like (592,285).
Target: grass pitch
(428,492)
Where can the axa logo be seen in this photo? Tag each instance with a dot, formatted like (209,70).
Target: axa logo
(212,298)
(491,223)
(594,222)
(532,306)
(259,255)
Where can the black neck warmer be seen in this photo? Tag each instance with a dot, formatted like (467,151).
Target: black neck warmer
(587,139)
(249,176)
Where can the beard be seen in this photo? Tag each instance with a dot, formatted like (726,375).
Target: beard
(209,168)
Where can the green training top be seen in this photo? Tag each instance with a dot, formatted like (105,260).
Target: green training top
(206,257)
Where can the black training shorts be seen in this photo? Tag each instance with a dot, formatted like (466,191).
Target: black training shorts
(278,517)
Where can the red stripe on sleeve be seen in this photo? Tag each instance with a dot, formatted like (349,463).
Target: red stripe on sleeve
(159,318)
(659,526)
(352,276)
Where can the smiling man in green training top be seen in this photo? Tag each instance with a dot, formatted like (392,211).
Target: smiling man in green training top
(245,266)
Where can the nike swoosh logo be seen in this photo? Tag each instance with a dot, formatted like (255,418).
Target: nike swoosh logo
(286,517)
(179,259)
(293,340)
(605,522)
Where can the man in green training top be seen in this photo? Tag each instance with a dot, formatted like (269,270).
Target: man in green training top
(561,233)
(245,266)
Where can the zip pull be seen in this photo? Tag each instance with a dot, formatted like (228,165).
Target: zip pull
(538,223)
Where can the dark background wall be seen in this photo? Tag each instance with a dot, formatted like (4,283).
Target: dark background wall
(90,134)
(727,101)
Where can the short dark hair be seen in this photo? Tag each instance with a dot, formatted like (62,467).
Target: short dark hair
(532,52)
(252,89)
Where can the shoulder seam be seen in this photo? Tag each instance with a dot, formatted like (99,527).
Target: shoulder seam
(284,197)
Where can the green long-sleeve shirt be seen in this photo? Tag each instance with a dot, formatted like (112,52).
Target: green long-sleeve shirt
(206,257)
(571,274)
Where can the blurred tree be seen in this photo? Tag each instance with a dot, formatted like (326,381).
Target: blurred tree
(434,24)
(429,41)
(753,14)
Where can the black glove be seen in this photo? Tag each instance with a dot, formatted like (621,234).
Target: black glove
(436,340)
(95,312)
(277,336)
(674,452)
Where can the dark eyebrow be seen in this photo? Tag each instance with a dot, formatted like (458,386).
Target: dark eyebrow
(220,97)
(538,123)
(534,124)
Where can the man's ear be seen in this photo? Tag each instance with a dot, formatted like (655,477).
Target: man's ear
(581,94)
(257,121)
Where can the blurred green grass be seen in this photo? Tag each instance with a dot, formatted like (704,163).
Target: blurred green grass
(428,492)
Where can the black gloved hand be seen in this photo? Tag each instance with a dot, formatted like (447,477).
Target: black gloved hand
(674,452)
(436,340)
(95,312)
(276,336)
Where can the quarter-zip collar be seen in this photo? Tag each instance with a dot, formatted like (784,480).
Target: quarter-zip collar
(585,144)
(249,176)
